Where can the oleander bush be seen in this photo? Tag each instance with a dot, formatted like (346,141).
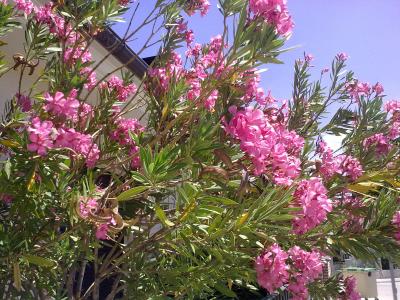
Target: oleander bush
(215,187)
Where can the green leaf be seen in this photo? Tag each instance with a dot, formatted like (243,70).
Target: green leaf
(129,194)
(54,49)
(225,291)
(7,168)
(222,200)
(139,177)
(162,216)
(39,261)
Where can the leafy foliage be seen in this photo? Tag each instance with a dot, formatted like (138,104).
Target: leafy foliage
(177,210)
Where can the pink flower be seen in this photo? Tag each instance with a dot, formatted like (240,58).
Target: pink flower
(81,143)
(210,101)
(305,268)
(44,14)
(116,85)
(342,56)
(62,106)
(74,54)
(378,88)
(274,12)
(90,77)
(124,127)
(134,153)
(123,2)
(357,89)
(24,102)
(86,206)
(394,131)
(392,106)
(194,90)
(272,148)
(350,292)
(308,58)
(253,91)
(344,165)
(213,54)
(102,231)
(297,268)
(329,166)
(324,70)
(41,136)
(350,166)
(195,51)
(307,264)
(189,37)
(160,80)
(24,5)
(6,198)
(379,142)
(200,5)
(311,196)
(271,268)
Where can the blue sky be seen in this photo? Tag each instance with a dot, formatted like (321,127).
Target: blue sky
(368,30)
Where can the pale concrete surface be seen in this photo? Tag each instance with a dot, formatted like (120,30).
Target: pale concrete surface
(385,289)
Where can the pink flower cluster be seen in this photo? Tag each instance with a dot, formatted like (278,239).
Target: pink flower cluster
(396,224)
(61,106)
(74,54)
(117,86)
(296,267)
(90,78)
(379,142)
(210,62)
(393,107)
(197,5)
(306,267)
(80,143)
(210,101)
(342,56)
(186,33)
(44,136)
(351,205)
(122,135)
(349,166)
(271,268)
(356,89)
(344,165)
(161,76)
(56,23)
(350,292)
(24,5)
(124,126)
(76,50)
(253,91)
(123,2)
(274,12)
(272,148)
(88,206)
(41,135)
(6,198)
(76,47)
(311,196)
(24,102)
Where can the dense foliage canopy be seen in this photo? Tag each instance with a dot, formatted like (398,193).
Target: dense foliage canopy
(214,187)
